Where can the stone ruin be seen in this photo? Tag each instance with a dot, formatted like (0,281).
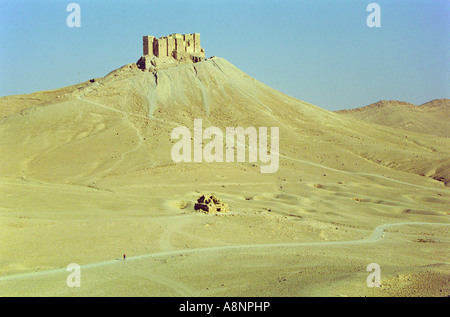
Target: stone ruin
(170,49)
(210,204)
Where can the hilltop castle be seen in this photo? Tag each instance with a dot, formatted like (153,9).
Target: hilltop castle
(180,47)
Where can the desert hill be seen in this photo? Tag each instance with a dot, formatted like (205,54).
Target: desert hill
(86,175)
(429,118)
(124,120)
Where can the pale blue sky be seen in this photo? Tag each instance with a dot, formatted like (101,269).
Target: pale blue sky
(318,51)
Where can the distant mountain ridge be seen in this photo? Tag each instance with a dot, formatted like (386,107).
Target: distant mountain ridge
(429,118)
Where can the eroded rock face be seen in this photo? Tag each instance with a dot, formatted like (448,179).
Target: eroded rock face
(210,204)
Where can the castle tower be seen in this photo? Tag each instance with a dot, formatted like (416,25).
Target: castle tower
(197,47)
(162,47)
(189,41)
(148,45)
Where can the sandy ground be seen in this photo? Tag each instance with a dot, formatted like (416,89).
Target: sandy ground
(86,176)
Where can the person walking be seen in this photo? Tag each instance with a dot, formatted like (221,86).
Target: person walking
(124,257)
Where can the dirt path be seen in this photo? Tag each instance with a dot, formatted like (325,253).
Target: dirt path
(376,236)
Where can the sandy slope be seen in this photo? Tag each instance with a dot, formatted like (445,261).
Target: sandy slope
(86,175)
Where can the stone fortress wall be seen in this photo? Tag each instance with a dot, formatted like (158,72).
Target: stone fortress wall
(174,45)
(170,50)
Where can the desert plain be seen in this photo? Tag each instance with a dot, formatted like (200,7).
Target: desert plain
(86,175)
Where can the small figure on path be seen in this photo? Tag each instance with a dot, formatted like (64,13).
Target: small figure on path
(124,257)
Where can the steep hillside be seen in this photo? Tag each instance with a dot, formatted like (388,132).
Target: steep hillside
(122,123)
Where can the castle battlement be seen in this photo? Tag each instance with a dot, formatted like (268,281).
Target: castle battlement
(174,45)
